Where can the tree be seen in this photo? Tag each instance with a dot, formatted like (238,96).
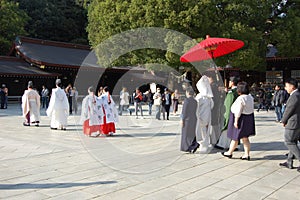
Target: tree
(218,18)
(12,23)
(284,28)
(56,20)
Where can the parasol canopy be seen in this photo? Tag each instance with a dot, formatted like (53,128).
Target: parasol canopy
(211,48)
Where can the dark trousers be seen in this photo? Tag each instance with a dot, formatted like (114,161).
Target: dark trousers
(2,99)
(166,108)
(278,112)
(70,104)
(262,106)
(137,106)
(291,138)
(45,102)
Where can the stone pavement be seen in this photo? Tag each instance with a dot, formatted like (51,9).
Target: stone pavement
(142,161)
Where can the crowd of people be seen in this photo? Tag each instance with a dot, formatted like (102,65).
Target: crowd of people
(98,114)
(163,102)
(197,118)
(213,118)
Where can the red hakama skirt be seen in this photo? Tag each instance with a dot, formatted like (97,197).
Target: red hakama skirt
(107,128)
(88,130)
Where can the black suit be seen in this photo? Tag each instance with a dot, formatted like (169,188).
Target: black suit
(291,119)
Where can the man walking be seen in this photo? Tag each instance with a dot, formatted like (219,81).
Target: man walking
(291,122)
(137,98)
(277,101)
(31,106)
(45,94)
(58,107)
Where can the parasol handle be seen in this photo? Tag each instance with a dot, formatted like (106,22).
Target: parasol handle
(212,56)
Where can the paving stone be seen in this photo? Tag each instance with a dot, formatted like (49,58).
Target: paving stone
(142,161)
(31,195)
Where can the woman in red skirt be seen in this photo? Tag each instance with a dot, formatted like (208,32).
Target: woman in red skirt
(110,113)
(91,114)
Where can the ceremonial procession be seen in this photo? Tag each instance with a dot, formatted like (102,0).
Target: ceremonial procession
(147,100)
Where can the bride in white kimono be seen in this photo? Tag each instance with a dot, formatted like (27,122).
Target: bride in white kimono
(58,108)
(205,104)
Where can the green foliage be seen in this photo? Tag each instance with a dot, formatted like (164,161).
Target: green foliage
(284,30)
(59,20)
(194,18)
(248,21)
(12,22)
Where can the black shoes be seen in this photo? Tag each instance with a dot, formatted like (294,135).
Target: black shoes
(63,129)
(228,156)
(245,158)
(194,150)
(287,165)
(26,124)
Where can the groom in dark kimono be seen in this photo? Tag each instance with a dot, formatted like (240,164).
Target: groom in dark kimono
(188,122)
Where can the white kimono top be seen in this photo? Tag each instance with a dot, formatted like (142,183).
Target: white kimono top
(110,110)
(58,108)
(92,110)
(31,103)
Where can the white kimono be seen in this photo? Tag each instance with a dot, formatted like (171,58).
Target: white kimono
(31,103)
(110,110)
(58,108)
(205,104)
(91,110)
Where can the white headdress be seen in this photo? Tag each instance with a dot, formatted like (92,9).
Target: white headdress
(204,88)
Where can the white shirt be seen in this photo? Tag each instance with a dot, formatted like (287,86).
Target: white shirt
(244,104)
(124,98)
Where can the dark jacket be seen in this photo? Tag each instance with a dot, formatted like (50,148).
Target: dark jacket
(278,98)
(166,99)
(291,115)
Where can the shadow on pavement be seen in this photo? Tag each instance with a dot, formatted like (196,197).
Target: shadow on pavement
(144,135)
(268,146)
(271,157)
(50,185)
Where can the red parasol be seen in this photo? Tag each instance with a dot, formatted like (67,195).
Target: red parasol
(211,48)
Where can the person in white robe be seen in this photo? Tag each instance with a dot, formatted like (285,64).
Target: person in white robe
(91,114)
(31,106)
(205,104)
(58,108)
(110,113)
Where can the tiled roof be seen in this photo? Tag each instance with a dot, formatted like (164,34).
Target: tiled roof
(11,66)
(50,53)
